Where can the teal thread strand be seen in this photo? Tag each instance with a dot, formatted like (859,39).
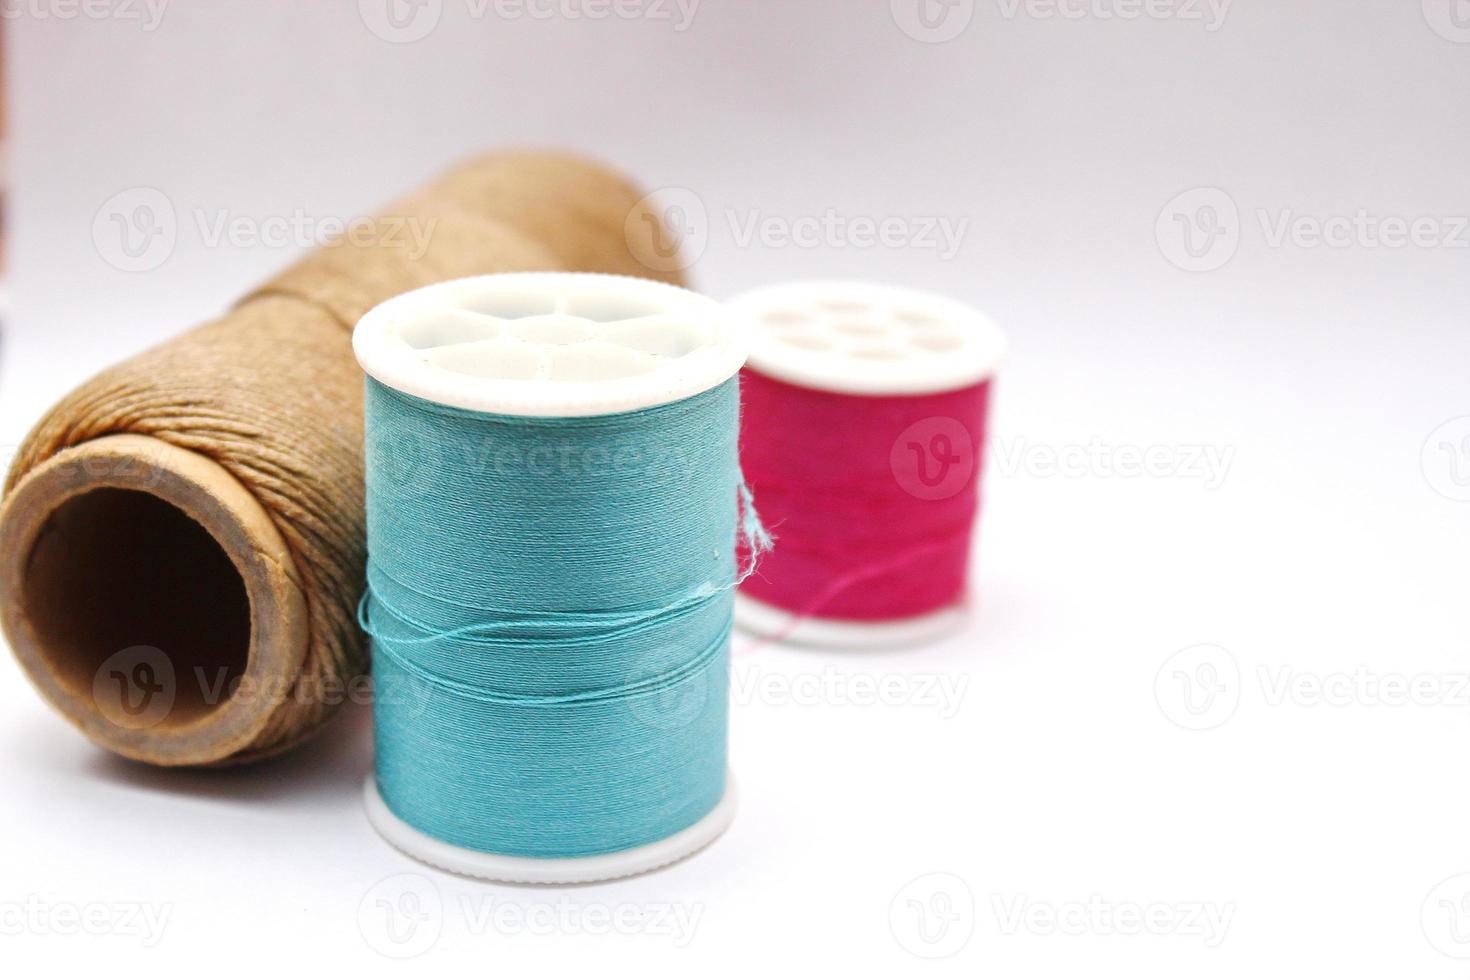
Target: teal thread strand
(550,605)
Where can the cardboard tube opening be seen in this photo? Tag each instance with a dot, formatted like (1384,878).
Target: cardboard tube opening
(116,570)
(151,599)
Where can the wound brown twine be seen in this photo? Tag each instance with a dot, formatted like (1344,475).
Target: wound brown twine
(182,541)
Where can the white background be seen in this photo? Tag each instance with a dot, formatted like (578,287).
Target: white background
(1329,551)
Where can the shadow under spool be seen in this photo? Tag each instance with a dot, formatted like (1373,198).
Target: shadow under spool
(203,500)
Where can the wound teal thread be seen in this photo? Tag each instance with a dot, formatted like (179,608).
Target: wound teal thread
(550,605)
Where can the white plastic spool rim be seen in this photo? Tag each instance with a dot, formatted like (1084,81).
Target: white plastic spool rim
(864,338)
(547,871)
(549,345)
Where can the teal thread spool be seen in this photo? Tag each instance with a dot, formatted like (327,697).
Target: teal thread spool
(552,519)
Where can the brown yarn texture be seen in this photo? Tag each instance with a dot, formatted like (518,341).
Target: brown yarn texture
(272,393)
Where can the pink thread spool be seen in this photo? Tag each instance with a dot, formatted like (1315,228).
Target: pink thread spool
(863,425)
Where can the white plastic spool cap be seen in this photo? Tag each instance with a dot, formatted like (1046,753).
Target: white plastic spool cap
(862,338)
(549,345)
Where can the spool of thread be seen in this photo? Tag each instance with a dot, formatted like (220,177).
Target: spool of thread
(553,499)
(181,542)
(864,426)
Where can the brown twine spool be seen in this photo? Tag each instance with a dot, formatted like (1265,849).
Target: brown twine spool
(181,541)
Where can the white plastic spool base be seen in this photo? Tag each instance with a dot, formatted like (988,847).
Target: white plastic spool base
(549,345)
(763,620)
(547,871)
(862,338)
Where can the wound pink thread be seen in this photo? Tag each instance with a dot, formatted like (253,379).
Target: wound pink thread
(871,500)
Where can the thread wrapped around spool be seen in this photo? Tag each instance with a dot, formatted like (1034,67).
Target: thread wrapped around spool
(865,414)
(187,527)
(553,507)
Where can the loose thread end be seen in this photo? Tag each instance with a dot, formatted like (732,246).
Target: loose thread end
(753,534)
